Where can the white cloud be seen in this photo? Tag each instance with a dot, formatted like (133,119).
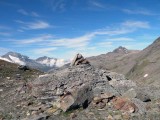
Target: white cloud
(39,24)
(120,39)
(34,14)
(5,30)
(23,12)
(56,5)
(105,44)
(26,13)
(84,43)
(97,4)
(136,24)
(72,42)
(5,33)
(114,31)
(126,27)
(84,40)
(2,27)
(77,42)
(139,11)
(33,40)
(44,51)
(19,30)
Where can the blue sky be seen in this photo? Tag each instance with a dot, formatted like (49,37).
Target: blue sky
(62,28)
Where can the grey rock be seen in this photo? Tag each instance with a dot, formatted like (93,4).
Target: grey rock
(23,67)
(122,85)
(141,105)
(131,93)
(79,97)
(37,117)
(143,96)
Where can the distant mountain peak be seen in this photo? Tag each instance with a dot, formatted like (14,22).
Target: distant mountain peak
(44,58)
(42,63)
(15,54)
(51,62)
(121,49)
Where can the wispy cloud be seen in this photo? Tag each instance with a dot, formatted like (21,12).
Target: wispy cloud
(39,24)
(136,24)
(56,5)
(139,11)
(26,13)
(2,27)
(23,12)
(120,39)
(7,3)
(5,34)
(109,42)
(96,4)
(35,14)
(72,42)
(86,40)
(5,30)
(105,44)
(44,51)
(43,38)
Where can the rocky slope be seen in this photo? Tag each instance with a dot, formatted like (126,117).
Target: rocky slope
(115,60)
(140,66)
(81,92)
(12,80)
(147,66)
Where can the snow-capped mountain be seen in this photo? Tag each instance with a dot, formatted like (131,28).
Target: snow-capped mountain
(15,58)
(52,62)
(42,63)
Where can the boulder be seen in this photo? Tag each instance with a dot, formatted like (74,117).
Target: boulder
(23,67)
(66,102)
(143,96)
(79,97)
(125,105)
(131,93)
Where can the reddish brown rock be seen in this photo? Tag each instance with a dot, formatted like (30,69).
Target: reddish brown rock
(124,105)
(129,107)
(119,103)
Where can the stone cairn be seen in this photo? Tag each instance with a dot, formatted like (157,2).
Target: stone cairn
(78,60)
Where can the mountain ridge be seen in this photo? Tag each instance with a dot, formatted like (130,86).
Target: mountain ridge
(42,63)
(141,66)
